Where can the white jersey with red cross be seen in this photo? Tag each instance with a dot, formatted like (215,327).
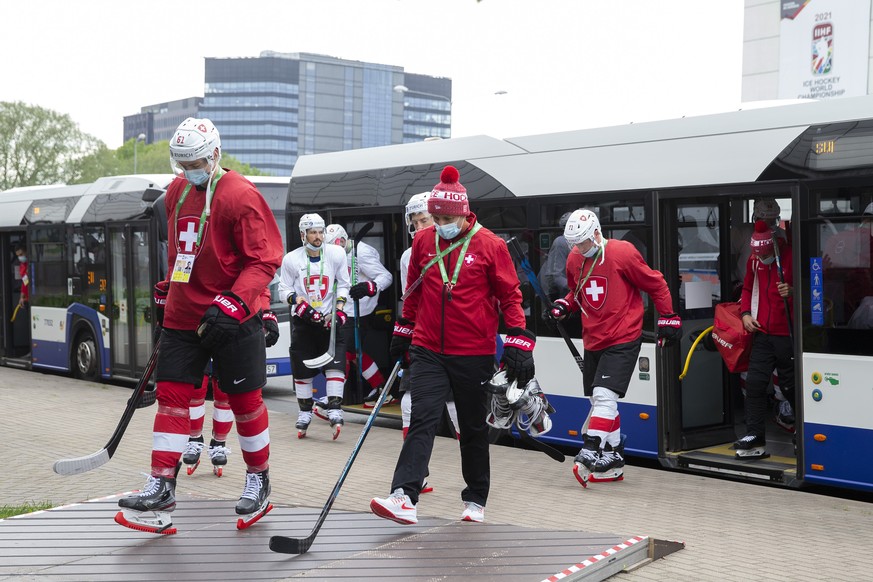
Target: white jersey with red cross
(313,280)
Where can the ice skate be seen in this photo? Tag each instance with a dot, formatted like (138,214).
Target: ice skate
(218,453)
(751,447)
(584,461)
(304,417)
(425,487)
(785,415)
(335,415)
(371,398)
(149,510)
(609,466)
(396,507)
(319,408)
(254,503)
(191,455)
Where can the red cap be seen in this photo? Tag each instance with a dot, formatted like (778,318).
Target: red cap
(449,197)
(762,239)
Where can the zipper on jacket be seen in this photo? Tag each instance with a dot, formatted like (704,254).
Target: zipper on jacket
(443,323)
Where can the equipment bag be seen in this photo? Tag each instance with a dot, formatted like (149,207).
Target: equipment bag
(733,342)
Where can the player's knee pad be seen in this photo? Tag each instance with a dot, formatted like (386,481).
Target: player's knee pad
(305,404)
(334,402)
(605,402)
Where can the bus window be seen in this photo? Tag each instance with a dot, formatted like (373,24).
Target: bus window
(49,283)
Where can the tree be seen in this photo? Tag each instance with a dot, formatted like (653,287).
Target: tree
(153,158)
(40,146)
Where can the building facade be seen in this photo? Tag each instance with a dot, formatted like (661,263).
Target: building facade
(278,106)
(158,122)
(807,49)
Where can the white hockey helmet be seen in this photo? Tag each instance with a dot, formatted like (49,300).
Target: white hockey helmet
(308,221)
(581,226)
(417,204)
(195,139)
(766,209)
(334,232)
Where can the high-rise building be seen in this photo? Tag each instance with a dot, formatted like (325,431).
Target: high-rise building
(158,122)
(273,108)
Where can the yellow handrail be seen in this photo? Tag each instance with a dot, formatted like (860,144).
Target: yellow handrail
(691,351)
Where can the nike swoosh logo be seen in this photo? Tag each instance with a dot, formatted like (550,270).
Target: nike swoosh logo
(404,506)
(605,376)
(238,381)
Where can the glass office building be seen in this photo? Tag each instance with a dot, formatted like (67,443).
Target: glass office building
(159,121)
(278,106)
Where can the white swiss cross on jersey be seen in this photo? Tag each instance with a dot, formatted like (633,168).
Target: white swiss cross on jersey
(594,291)
(469,260)
(317,285)
(186,233)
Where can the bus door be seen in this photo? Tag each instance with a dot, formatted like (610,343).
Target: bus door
(15,326)
(695,247)
(130,298)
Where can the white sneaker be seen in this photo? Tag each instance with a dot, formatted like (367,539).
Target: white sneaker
(473,512)
(396,507)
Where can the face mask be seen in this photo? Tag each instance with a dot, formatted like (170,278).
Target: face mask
(197,177)
(448,231)
(768,260)
(22,259)
(592,251)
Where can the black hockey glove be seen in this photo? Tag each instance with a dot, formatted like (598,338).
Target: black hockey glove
(341,319)
(161,290)
(559,309)
(518,355)
(402,339)
(307,313)
(669,329)
(361,290)
(220,324)
(271,328)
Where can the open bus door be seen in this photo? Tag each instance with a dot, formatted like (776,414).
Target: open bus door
(130,297)
(15,325)
(703,412)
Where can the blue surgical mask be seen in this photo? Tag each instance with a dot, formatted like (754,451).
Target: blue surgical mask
(448,231)
(22,259)
(197,177)
(769,260)
(591,252)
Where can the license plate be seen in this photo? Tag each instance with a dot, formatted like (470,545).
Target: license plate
(271,369)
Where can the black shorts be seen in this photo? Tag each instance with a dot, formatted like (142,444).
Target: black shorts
(611,367)
(310,341)
(241,365)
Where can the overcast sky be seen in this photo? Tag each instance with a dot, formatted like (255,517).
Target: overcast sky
(563,64)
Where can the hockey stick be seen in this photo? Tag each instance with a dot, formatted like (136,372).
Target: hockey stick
(542,447)
(782,280)
(515,249)
(358,347)
(327,357)
(287,545)
(78,465)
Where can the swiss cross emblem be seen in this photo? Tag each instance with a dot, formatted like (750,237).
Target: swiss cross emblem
(594,291)
(469,259)
(186,233)
(316,285)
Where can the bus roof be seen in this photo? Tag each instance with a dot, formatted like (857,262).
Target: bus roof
(724,148)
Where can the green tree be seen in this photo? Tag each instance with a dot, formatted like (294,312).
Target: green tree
(40,146)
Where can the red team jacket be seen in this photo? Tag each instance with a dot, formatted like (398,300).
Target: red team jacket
(611,295)
(240,251)
(771,306)
(466,325)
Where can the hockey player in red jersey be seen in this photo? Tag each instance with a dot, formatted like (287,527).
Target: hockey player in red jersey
(605,277)
(224,248)
(461,278)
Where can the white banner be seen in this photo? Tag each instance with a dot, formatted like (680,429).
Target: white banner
(823,48)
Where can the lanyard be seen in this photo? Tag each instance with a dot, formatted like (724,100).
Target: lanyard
(439,257)
(440,254)
(320,266)
(582,281)
(202,214)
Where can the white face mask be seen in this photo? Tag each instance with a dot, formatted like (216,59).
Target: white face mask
(22,259)
(592,251)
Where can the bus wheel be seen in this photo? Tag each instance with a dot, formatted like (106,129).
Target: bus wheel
(85,358)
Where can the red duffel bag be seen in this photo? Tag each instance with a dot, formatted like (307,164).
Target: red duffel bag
(734,343)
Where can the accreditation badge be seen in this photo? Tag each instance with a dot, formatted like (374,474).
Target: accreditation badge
(182,268)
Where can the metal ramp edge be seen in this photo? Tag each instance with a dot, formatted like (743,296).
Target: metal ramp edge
(627,556)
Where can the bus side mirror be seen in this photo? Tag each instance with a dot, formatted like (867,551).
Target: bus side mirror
(151,194)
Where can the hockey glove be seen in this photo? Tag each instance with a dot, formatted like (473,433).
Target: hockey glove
(307,313)
(402,339)
(669,329)
(518,355)
(161,290)
(559,310)
(341,319)
(220,324)
(271,328)
(361,290)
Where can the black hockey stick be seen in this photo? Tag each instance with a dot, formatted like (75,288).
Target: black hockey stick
(83,464)
(515,249)
(286,545)
(782,280)
(541,446)
(358,347)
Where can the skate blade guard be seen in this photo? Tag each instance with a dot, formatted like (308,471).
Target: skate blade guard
(251,519)
(582,474)
(159,523)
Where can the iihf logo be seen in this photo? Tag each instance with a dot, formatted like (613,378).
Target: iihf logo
(822,48)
